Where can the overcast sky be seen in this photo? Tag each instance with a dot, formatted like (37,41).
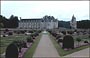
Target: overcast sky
(62,10)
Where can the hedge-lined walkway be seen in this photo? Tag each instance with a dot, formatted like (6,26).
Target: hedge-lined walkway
(45,47)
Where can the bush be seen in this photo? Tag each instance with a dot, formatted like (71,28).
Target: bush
(10,33)
(60,40)
(78,40)
(33,37)
(18,44)
(85,41)
(6,30)
(4,36)
(24,45)
(68,42)
(64,32)
(22,32)
(30,31)
(29,39)
(11,51)
(58,36)
(70,32)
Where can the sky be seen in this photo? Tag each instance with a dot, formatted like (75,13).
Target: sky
(61,10)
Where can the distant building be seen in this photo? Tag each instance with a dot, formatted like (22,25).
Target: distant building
(47,22)
(73,23)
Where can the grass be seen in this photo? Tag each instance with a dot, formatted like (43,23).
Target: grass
(31,50)
(63,52)
(5,41)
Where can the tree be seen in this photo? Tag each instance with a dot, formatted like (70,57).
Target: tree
(78,40)
(12,22)
(83,24)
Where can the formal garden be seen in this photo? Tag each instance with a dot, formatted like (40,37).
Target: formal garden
(23,43)
(67,42)
(17,43)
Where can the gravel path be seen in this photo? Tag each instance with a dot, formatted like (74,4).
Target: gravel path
(82,53)
(45,48)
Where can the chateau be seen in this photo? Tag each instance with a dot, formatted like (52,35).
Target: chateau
(73,23)
(47,22)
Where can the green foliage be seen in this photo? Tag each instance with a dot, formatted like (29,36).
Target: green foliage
(29,39)
(31,50)
(12,22)
(64,24)
(83,24)
(63,52)
(5,41)
(78,39)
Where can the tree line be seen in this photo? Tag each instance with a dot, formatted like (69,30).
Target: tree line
(12,22)
(83,24)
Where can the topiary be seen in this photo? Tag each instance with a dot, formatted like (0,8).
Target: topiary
(68,42)
(11,51)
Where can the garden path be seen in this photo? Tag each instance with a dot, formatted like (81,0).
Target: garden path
(45,47)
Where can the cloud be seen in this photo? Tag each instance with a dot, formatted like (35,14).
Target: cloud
(37,9)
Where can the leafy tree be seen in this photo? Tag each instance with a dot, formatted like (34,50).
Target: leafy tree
(78,40)
(12,22)
(83,24)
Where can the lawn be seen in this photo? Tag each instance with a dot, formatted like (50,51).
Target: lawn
(63,52)
(29,53)
(5,41)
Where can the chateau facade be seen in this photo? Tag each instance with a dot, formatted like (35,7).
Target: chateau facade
(47,22)
(73,23)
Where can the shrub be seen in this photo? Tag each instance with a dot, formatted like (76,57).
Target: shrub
(68,42)
(60,40)
(10,33)
(11,51)
(85,41)
(58,36)
(64,32)
(22,32)
(24,45)
(30,31)
(70,32)
(6,30)
(4,36)
(78,40)
(29,39)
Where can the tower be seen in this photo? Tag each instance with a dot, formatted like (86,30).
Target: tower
(73,23)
